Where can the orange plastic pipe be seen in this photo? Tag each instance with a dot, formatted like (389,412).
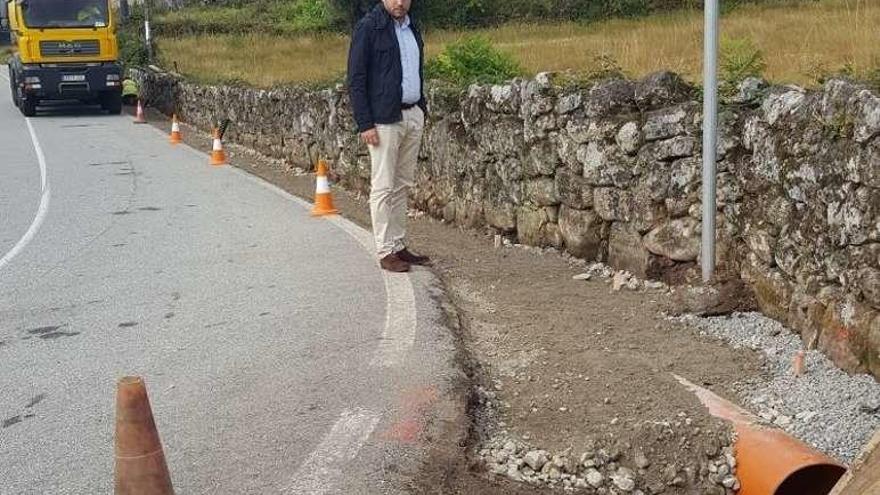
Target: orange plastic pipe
(769,461)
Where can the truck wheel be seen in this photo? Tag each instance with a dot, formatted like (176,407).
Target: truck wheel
(28,106)
(112,103)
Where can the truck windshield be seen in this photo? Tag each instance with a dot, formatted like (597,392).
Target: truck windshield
(65,13)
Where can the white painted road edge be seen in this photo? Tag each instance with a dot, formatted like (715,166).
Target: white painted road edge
(399,333)
(45,196)
(325,465)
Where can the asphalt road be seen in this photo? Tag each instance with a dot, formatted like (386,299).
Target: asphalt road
(278,357)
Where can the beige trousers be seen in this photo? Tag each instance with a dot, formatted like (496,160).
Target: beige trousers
(393,173)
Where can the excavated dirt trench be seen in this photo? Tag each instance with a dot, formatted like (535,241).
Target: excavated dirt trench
(563,365)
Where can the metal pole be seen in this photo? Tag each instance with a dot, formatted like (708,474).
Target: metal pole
(710,138)
(147,37)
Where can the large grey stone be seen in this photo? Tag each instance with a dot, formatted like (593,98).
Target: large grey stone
(581,232)
(584,131)
(530,222)
(779,105)
(569,103)
(664,124)
(629,138)
(749,90)
(503,98)
(677,239)
(605,165)
(612,204)
(662,89)
(573,190)
(541,192)
(541,159)
(535,459)
(869,280)
(501,216)
(626,250)
(610,96)
(594,478)
(677,147)
(867,121)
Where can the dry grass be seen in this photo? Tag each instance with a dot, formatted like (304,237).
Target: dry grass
(798,42)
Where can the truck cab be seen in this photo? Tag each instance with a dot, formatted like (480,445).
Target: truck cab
(64,50)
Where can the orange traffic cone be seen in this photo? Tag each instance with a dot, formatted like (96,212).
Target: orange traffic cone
(218,156)
(140,118)
(323,196)
(140,462)
(175,130)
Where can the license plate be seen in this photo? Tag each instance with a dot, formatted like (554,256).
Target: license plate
(73,78)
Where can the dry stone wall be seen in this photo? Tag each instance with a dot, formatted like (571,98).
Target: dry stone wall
(612,172)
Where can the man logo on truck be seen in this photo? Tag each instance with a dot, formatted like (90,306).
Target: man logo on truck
(69,47)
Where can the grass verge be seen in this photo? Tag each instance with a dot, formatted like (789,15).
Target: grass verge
(800,43)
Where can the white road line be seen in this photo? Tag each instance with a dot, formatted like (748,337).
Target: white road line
(44,202)
(400,326)
(399,333)
(324,466)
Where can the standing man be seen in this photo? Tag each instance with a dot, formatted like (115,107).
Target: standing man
(385,81)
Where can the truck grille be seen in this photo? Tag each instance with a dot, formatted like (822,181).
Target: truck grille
(69,48)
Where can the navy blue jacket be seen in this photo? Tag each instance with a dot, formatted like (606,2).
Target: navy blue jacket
(375,73)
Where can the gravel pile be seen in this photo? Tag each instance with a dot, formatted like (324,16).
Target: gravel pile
(605,470)
(825,407)
(604,467)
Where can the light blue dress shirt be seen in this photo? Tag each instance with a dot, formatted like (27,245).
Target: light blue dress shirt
(409,60)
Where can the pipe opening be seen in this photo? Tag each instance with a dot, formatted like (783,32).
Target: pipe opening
(818,479)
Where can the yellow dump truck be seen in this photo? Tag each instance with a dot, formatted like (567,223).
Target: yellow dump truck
(64,50)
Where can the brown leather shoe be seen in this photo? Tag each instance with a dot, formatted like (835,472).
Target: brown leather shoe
(393,263)
(412,259)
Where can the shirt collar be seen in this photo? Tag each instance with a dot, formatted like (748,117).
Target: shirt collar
(403,24)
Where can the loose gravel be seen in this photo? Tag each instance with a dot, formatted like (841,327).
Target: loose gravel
(833,411)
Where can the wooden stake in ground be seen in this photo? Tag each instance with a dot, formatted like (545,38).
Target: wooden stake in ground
(864,476)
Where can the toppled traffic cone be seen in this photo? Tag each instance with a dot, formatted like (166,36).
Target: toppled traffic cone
(323,196)
(140,118)
(218,156)
(175,131)
(140,463)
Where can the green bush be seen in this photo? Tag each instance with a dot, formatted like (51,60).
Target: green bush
(472,60)
(628,8)
(740,59)
(129,36)
(213,20)
(132,50)
(305,15)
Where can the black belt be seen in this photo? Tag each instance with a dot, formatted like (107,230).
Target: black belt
(407,106)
